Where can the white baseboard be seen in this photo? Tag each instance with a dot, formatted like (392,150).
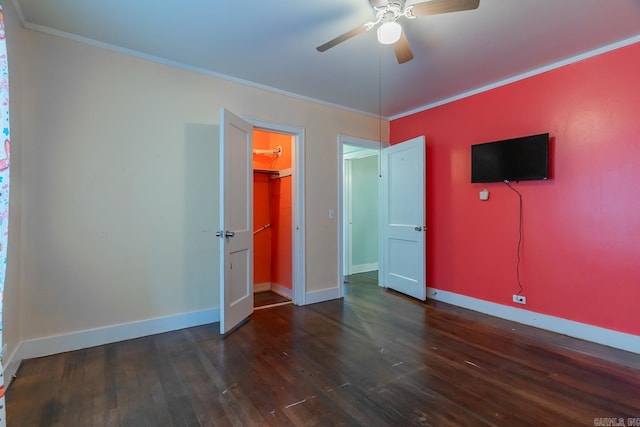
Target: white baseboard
(571,328)
(11,365)
(261,287)
(363,268)
(274,287)
(321,296)
(281,290)
(45,346)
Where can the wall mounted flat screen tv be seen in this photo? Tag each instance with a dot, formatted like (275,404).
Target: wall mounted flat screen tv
(517,159)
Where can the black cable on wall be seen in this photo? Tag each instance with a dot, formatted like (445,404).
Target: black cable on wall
(520,226)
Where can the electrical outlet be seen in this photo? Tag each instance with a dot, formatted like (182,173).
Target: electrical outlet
(520,299)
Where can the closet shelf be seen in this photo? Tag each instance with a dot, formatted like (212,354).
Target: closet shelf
(273,173)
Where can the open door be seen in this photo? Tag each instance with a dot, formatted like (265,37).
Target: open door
(236,220)
(403,218)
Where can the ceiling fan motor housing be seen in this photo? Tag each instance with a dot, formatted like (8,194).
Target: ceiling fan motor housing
(391,11)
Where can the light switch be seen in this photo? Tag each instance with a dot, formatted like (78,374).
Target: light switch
(484,194)
(332,214)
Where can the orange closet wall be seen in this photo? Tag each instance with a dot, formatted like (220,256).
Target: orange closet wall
(281,264)
(262,239)
(272,205)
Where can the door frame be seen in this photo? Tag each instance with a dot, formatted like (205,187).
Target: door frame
(298,255)
(343,140)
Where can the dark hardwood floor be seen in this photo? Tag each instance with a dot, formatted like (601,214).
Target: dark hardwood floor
(375,358)
(268,298)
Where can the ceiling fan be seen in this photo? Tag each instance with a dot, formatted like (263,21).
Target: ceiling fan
(388,12)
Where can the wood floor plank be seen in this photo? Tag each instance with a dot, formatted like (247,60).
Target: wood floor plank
(264,298)
(375,358)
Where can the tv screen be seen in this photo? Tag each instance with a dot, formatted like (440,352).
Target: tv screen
(516,159)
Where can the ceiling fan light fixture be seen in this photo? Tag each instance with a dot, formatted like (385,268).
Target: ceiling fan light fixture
(389,32)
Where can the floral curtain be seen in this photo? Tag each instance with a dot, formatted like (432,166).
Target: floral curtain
(4,159)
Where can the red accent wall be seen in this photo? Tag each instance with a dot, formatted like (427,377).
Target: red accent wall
(581,248)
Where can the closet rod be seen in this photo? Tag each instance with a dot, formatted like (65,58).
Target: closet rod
(277,152)
(264,227)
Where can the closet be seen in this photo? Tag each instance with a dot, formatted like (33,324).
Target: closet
(272,217)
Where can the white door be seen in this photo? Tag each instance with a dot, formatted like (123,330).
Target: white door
(403,218)
(236,220)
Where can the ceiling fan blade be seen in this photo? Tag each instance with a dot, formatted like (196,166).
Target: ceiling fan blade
(403,49)
(435,7)
(343,37)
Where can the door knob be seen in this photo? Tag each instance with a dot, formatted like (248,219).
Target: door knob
(229,233)
(418,228)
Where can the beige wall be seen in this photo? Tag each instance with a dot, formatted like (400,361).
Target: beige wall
(117,202)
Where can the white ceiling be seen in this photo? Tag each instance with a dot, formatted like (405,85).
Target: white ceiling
(272,43)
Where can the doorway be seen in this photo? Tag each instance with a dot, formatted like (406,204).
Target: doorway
(293,185)
(401,228)
(360,209)
(359,224)
(236,216)
(272,218)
